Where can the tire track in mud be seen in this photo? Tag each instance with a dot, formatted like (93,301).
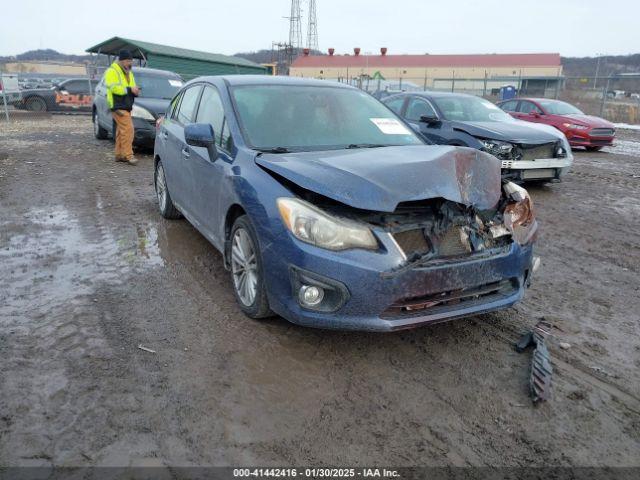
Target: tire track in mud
(615,180)
(271,393)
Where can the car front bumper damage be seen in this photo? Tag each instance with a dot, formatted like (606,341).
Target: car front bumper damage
(539,169)
(370,293)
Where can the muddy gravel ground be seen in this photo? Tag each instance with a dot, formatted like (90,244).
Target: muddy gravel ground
(89,271)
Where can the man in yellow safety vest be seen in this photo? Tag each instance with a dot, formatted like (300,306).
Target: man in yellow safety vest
(121,92)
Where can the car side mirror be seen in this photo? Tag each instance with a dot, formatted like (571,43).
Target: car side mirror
(429,119)
(201,135)
(533,113)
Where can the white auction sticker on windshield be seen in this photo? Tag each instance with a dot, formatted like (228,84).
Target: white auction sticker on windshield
(175,83)
(390,126)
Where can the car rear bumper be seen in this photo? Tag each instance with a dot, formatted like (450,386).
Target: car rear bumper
(374,298)
(540,169)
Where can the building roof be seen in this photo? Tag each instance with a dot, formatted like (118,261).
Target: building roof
(429,61)
(140,49)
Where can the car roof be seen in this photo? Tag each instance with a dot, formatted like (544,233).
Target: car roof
(434,94)
(155,71)
(75,79)
(235,80)
(533,99)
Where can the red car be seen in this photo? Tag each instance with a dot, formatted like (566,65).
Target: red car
(581,130)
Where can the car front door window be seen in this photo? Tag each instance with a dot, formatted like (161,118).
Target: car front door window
(509,106)
(188,105)
(211,111)
(418,108)
(528,107)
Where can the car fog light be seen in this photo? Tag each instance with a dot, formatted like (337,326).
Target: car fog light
(310,295)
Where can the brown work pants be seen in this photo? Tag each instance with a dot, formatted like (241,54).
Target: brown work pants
(124,134)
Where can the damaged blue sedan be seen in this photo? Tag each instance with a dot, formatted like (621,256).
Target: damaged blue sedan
(332,213)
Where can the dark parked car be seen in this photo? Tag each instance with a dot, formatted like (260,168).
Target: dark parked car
(527,152)
(332,213)
(581,130)
(157,88)
(69,95)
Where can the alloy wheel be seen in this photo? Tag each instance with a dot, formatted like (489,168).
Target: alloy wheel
(161,188)
(244,267)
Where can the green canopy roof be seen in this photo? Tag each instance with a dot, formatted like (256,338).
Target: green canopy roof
(141,49)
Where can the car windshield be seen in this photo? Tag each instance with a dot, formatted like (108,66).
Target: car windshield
(470,109)
(555,107)
(296,117)
(156,86)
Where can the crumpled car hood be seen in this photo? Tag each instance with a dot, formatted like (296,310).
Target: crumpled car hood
(378,179)
(515,131)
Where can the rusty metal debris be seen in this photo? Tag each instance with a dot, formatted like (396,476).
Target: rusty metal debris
(146,349)
(541,370)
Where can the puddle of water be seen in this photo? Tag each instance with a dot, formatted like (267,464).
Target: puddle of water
(626,206)
(56,258)
(624,147)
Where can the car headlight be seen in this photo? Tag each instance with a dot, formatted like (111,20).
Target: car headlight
(518,215)
(496,147)
(312,225)
(575,126)
(143,113)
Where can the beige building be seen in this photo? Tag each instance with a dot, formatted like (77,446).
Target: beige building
(51,68)
(535,72)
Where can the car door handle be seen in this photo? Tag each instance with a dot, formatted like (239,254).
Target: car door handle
(185,152)
(164,135)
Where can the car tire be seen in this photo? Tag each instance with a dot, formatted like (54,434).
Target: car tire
(167,209)
(246,262)
(99,132)
(593,149)
(35,104)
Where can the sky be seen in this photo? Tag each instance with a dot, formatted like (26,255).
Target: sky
(568,27)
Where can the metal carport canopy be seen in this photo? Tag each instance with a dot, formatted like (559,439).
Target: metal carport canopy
(142,50)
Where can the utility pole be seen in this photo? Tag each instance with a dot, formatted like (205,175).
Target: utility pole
(312,27)
(595,79)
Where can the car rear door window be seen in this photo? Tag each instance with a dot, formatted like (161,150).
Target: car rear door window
(188,105)
(175,105)
(528,107)
(419,107)
(509,106)
(211,111)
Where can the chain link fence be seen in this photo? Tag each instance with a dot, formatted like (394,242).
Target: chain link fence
(614,97)
(28,94)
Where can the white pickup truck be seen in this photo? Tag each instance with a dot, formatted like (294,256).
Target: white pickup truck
(9,88)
